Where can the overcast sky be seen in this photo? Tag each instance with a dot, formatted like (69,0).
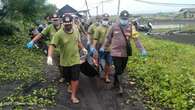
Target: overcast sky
(132,6)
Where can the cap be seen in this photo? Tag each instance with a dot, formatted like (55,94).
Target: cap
(105,16)
(124,14)
(67,19)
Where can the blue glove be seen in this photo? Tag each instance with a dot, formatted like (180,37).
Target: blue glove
(92,50)
(101,53)
(30,44)
(144,52)
(101,50)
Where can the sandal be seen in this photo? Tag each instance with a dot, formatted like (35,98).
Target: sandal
(107,80)
(75,100)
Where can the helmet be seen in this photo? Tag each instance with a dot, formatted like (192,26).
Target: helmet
(54,17)
(105,16)
(124,14)
(67,19)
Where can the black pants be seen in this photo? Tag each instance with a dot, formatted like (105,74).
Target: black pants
(120,64)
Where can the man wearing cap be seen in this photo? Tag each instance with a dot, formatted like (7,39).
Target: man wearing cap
(119,38)
(67,39)
(49,32)
(98,40)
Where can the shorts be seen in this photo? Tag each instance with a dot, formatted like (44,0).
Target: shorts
(107,57)
(71,73)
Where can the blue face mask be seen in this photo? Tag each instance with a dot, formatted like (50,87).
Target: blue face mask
(123,22)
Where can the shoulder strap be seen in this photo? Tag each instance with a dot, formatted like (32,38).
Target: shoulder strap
(123,33)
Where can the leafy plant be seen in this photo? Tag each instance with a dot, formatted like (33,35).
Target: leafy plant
(167,74)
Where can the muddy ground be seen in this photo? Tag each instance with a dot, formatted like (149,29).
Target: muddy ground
(94,93)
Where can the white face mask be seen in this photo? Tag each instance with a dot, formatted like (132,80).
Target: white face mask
(123,22)
(105,22)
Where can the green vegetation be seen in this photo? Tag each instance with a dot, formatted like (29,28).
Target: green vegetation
(25,66)
(23,12)
(188,28)
(18,64)
(167,75)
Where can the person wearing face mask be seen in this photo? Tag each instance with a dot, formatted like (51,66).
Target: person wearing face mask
(49,31)
(84,36)
(92,28)
(119,39)
(98,40)
(67,39)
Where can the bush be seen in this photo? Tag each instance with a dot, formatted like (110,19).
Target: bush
(7,29)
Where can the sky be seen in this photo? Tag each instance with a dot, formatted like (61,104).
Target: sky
(134,7)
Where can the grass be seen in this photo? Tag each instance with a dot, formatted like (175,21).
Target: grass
(167,75)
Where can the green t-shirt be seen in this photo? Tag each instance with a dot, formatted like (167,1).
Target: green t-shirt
(92,29)
(49,32)
(100,34)
(68,46)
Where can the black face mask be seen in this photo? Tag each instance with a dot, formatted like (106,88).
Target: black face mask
(68,28)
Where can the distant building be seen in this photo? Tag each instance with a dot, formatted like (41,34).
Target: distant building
(68,9)
(187,12)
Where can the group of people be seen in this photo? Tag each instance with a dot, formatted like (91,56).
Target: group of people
(109,43)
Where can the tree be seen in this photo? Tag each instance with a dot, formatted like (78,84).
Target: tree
(27,10)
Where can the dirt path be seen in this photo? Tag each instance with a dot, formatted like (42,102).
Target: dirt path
(94,94)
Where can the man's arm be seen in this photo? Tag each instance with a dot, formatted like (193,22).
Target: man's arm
(50,50)
(80,45)
(135,36)
(37,37)
(54,42)
(138,44)
(50,54)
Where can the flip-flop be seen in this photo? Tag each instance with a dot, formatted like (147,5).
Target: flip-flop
(75,101)
(107,80)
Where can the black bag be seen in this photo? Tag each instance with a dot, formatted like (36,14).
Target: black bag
(128,44)
(88,70)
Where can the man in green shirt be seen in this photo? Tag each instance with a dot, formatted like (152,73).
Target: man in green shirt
(49,32)
(92,28)
(98,40)
(68,41)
